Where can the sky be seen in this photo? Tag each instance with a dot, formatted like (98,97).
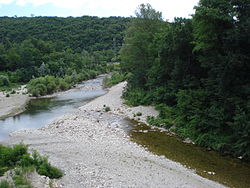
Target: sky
(100,8)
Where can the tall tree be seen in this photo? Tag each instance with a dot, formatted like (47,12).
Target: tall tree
(140,49)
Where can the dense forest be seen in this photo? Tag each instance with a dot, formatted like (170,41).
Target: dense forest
(58,52)
(196,72)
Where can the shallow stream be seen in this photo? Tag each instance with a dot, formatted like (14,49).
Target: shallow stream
(42,111)
(210,164)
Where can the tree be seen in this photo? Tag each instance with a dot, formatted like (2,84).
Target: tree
(140,49)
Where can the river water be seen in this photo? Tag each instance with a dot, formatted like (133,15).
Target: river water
(224,169)
(227,170)
(42,111)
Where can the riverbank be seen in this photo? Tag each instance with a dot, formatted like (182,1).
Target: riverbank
(14,103)
(93,149)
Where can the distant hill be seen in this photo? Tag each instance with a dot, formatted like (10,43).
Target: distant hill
(78,33)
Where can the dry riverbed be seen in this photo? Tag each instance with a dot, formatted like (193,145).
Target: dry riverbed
(93,149)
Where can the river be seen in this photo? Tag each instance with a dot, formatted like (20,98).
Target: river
(224,169)
(42,111)
(227,170)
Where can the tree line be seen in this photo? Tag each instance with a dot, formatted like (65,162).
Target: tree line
(69,48)
(196,72)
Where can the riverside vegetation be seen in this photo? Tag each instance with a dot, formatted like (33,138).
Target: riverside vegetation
(195,71)
(21,162)
(54,53)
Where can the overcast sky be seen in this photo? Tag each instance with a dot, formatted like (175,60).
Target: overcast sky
(101,8)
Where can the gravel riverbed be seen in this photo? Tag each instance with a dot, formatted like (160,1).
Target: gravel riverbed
(93,149)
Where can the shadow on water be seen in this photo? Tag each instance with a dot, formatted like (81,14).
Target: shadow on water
(42,111)
(228,171)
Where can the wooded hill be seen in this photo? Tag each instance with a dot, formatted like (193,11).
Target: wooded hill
(78,33)
(73,48)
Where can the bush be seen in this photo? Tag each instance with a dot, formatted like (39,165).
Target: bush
(135,97)
(114,79)
(18,156)
(4,81)
(138,114)
(107,109)
(47,170)
(42,85)
(63,85)
(20,181)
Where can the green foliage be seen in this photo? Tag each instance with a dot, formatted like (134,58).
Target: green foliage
(5,184)
(107,109)
(142,41)
(45,168)
(49,84)
(196,71)
(80,33)
(30,50)
(136,97)
(11,156)
(115,79)
(18,156)
(4,81)
(166,117)
(20,181)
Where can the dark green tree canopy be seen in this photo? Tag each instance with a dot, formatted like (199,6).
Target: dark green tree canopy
(196,71)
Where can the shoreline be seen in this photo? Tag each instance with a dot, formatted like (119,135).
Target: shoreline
(93,149)
(13,105)
(16,103)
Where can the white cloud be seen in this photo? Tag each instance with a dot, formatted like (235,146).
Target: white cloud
(5,1)
(169,8)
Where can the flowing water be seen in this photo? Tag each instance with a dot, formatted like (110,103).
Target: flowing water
(42,111)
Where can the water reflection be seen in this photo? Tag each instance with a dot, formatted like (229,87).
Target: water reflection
(43,111)
(210,164)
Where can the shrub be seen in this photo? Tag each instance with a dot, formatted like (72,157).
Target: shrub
(18,156)
(135,97)
(4,80)
(63,85)
(138,114)
(43,167)
(114,79)
(47,170)
(107,109)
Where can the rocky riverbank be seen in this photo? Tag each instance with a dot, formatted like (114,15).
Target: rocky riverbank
(13,104)
(93,149)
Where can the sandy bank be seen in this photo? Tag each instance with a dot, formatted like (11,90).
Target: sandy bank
(116,103)
(12,105)
(93,149)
